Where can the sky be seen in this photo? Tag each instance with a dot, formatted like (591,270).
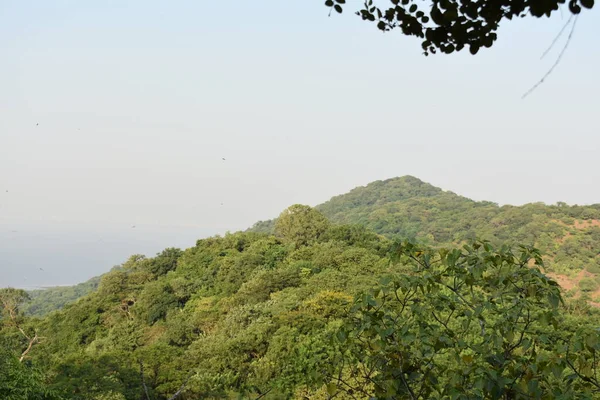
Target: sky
(115,118)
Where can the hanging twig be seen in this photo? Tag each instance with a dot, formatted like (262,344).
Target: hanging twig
(555,63)
(557,37)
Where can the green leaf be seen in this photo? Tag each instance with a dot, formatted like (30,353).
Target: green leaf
(591,341)
(332,389)
(557,371)
(510,336)
(554,300)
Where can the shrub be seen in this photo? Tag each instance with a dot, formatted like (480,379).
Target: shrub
(588,285)
(593,268)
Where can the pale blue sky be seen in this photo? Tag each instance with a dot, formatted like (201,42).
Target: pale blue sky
(138,101)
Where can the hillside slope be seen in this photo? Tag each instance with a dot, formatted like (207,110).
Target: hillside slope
(252,315)
(44,301)
(408,208)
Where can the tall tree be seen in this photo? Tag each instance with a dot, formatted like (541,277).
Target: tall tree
(301,224)
(11,300)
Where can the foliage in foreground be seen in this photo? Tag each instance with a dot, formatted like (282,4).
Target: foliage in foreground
(450,25)
(476,323)
(21,381)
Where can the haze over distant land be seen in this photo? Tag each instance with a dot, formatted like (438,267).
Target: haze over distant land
(51,254)
(59,253)
(123,114)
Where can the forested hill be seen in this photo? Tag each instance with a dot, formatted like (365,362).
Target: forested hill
(408,208)
(44,301)
(405,207)
(317,311)
(363,204)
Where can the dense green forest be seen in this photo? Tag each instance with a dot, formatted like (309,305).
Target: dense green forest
(408,208)
(318,307)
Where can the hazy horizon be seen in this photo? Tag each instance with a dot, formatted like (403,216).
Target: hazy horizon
(57,253)
(120,114)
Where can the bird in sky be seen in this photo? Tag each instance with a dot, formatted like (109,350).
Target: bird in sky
(222,158)
(37,124)
(133,226)
(41,269)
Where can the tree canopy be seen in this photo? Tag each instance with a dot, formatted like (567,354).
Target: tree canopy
(336,311)
(408,208)
(301,224)
(453,25)
(384,292)
(462,324)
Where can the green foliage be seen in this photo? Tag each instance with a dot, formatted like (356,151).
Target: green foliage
(108,376)
(21,381)
(477,323)
(246,315)
(264,282)
(16,333)
(45,301)
(357,236)
(301,225)
(264,226)
(449,26)
(593,268)
(588,285)
(165,261)
(227,311)
(308,313)
(408,208)
(12,300)
(154,301)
